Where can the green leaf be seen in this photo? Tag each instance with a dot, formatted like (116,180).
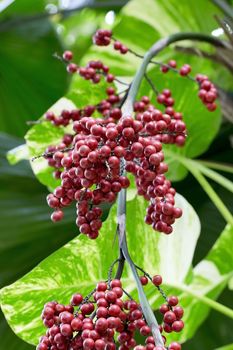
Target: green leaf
(83,92)
(17,8)
(17,154)
(31,78)
(226,347)
(82,262)
(209,278)
(39,137)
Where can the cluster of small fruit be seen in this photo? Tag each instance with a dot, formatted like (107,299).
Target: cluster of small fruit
(171,311)
(93,70)
(103,37)
(100,148)
(106,322)
(108,108)
(208,92)
(91,162)
(172,65)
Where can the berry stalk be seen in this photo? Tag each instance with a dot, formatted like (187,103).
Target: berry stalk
(146,309)
(127,110)
(152,52)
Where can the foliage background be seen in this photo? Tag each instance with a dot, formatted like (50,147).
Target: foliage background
(31,80)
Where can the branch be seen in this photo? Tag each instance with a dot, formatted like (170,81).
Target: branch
(224,7)
(154,50)
(121,264)
(127,110)
(146,309)
(217,56)
(156,92)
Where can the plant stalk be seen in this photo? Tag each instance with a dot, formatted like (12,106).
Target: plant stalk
(127,110)
(146,309)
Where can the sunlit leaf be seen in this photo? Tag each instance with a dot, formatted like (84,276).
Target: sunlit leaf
(73,269)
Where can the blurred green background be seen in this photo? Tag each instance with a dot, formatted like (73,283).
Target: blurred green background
(31,80)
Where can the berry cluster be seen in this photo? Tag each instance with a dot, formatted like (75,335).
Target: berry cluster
(106,322)
(118,46)
(207,93)
(91,162)
(100,149)
(94,70)
(107,107)
(165,67)
(103,38)
(183,71)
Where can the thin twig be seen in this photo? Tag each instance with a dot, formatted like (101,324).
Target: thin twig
(50,154)
(150,278)
(110,271)
(85,300)
(34,122)
(173,70)
(121,82)
(225,7)
(123,92)
(128,295)
(151,84)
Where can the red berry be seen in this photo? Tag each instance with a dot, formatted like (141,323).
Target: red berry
(144,280)
(157,280)
(57,215)
(67,55)
(177,326)
(172,301)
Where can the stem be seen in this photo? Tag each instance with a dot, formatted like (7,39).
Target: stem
(194,168)
(127,110)
(156,92)
(223,5)
(146,309)
(197,37)
(221,180)
(150,278)
(120,267)
(153,51)
(212,194)
(218,166)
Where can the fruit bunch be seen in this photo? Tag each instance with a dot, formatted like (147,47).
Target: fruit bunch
(207,93)
(104,321)
(93,161)
(93,170)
